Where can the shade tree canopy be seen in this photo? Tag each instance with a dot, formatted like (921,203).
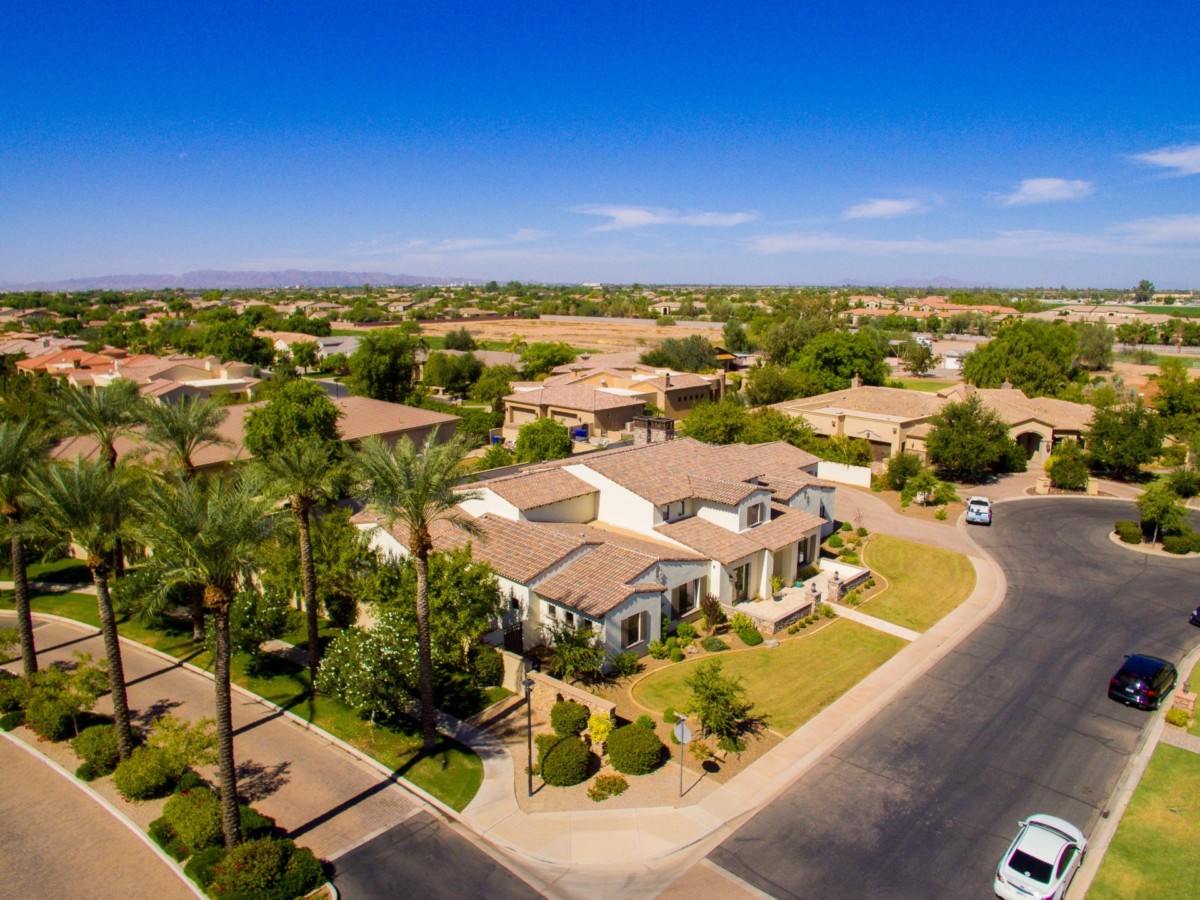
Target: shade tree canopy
(969,442)
(1036,357)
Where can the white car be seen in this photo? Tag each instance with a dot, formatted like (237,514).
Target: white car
(979,511)
(1042,860)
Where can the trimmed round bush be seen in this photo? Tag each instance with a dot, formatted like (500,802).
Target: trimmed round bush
(254,868)
(862,531)
(634,750)
(487,666)
(644,721)
(200,865)
(834,541)
(1129,532)
(97,747)
(563,761)
(751,637)
(49,718)
(195,818)
(569,718)
(147,773)
(676,655)
(1177,717)
(685,630)
(714,644)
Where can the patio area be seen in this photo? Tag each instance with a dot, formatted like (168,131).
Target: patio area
(791,604)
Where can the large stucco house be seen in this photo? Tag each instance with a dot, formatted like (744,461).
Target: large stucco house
(619,539)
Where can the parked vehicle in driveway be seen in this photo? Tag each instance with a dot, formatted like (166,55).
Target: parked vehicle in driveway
(979,511)
(1143,681)
(1041,860)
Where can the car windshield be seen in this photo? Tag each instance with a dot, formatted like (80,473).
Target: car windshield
(1030,866)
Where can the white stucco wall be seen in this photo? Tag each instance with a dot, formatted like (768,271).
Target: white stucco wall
(728,517)
(651,605)
(577,509)
(758,498)
(617,505)
(490,502)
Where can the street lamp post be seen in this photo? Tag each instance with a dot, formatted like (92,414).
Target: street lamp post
(528,685)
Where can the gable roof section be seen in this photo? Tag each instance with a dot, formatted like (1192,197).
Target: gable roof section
(786,527)
(576,396)
(720,490)
(599,581)
(710,539)
(538,488)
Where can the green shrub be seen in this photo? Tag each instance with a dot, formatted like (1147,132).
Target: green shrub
(644,721)
(1184,482)
(658,649)
(195,819)
(49,717)
(672,643)
(255,824)
(634,750)
(1178,717)
(147,773)
(685,630)
(562,761)
(568,718)
(97,747)
(851,559)
(846,526)
(1182,543)
(751,637)
(626,665)
(668,715)
(606,786)
(14,693)
(795,626)
(941,514)
(714,644)
(487,665)
(200,865)
(189,780)
(731,744)
(740,621)
(162,835)
(600,727)
(265,869)
(685,642)
(835,541)
(11,720)
(862,532)
(676,655)
(1129,532)
(828,611)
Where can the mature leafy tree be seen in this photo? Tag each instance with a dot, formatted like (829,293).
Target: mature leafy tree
(209,532)
(307,474)
(900,468)
(835,357)
(690,354)
(183,428)
(774,384)
(1162,510)
(497,455)
(1178,398)
(304,354)
(337,363)
(719,701)
(83,501)
(918,357)
(459,339)
(1124,438)
(735,337)
(722,422)
(1067,466)
(296,410)
(412,488)
(1144,292)
(493,385)
(1095,345)
(375,670)
(766,425)
(453,372)
(543,440)
(23,450)
(969,441)
(849,451)
(791,333)
(539,358)
(235,339)
(1035,357)
(383,365)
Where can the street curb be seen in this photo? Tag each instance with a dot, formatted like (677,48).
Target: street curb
(1123,791)
(112,810)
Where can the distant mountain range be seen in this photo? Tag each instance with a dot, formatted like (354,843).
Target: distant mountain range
(213,279)
(940,282)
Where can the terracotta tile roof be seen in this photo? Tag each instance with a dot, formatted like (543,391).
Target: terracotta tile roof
(720,490)
(598,534)
(530,490)
(786,527)
(710,539)
(576,396)
(599,581)
(885,401)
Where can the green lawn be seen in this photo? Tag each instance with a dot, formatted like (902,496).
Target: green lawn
(924,384)
(1153,853)
(452,774)
(788,684)
(1157,359)
(61,571)
(923,583)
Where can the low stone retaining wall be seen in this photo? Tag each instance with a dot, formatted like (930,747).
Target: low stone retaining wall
(548,690)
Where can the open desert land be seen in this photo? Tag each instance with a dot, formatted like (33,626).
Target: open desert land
(607,335)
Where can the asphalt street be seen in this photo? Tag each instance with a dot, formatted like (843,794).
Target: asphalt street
(421,857)
(923,801)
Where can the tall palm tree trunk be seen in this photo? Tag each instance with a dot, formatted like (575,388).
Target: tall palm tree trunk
(308,580)
(226,773)
(21,599)
(197,592)
(424,652)
(112,652)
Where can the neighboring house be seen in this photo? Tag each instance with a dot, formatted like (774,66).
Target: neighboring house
(63,363)
(621,539)
(37,346)
(360,417)
(895,420)
(170,378)
(282,341)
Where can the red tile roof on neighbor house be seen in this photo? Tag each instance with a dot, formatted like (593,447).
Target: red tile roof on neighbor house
(583,397)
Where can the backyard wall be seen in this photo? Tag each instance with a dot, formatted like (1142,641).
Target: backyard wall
(844,474)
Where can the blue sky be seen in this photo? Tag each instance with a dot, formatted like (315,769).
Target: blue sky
(763,143)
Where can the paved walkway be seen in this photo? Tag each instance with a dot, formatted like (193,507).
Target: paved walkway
(1177,737)
(322,794)
(57,841)
(849,612)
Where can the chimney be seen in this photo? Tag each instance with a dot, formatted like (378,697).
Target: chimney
(856,381)
(652,430)
(667,379)
(1006,385)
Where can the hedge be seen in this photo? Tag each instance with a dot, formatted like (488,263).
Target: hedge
(1129,532)
(147,773)
(266,869)
(635,750)
(487,666)
(97,747)
(569,718)
(751,637)
(50,718)
(1182,543)
(562,760)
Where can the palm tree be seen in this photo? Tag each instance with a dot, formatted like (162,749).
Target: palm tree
(180,430)
(83,500)
(104,414)
(23,447)
(307,473)
(208,531)
(413,488)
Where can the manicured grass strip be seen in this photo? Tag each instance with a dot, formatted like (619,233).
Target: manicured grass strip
(453,773)
(924,384)
(1153,853)
(61,571)
(788,684)
(924,583)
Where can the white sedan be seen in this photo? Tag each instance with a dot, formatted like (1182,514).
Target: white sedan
(1042,860)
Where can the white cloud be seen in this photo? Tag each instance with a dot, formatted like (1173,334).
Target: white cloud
(1182,159)
(624,217)
(1182,229)
(1047,190)
(884,209)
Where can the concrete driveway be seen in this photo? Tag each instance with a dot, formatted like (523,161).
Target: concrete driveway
(1015,720)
